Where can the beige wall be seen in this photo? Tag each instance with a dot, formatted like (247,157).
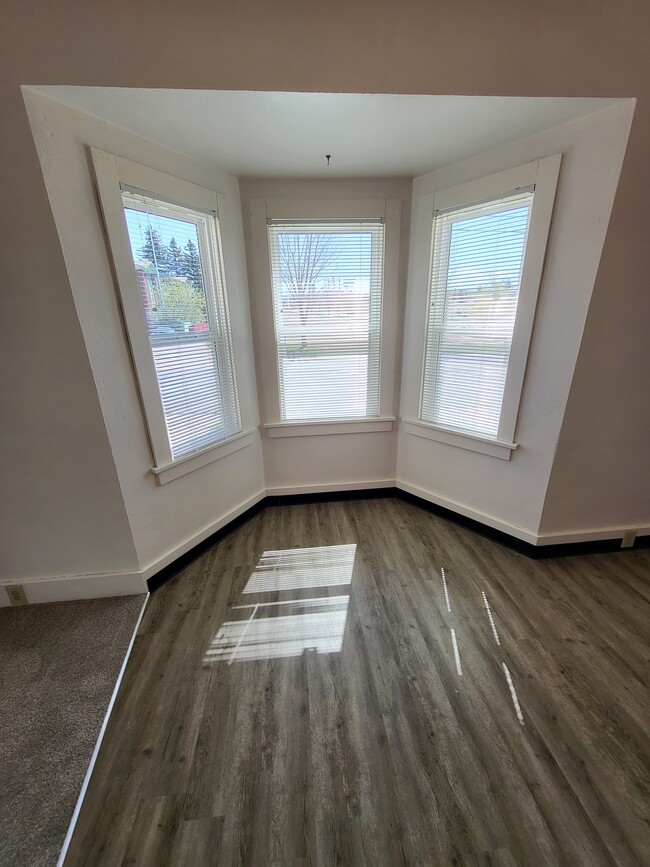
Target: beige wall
(57,463)
(601,474)
(62,509)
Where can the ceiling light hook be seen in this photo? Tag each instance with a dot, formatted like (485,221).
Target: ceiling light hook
(328,157)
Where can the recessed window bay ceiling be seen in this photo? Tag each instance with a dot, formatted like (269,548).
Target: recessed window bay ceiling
(266,134)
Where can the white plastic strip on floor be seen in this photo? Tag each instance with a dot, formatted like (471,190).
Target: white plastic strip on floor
(491,619)
(444,584)
(100,738)
(513,693)
(456,653)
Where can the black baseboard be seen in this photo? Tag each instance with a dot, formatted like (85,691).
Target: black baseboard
(331,496)
(197,551)
(535,552)
(469,524)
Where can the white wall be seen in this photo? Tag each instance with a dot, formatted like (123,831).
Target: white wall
(163,519)
(510,494)
(62,510)
(338,461)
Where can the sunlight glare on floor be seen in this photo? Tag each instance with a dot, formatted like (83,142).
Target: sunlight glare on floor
(302,567)
(288,627)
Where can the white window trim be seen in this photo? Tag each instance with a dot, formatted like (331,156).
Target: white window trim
(262,210)
(471,442)
(189,463)
(543,175)
(110,172)
(328,426)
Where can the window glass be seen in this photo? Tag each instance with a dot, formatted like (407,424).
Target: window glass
(476,265)
(177,260)
(327,293)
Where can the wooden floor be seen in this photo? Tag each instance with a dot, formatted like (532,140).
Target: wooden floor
(313,691)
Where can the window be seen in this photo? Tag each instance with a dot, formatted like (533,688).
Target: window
(325,306)
(167,251)
(487,245)
(476,261)
(176,256)
(327,288)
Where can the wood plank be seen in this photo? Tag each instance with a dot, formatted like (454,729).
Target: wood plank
(338,727)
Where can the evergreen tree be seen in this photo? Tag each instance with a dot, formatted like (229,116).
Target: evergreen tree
(154,251)
(192,265)
(175,260)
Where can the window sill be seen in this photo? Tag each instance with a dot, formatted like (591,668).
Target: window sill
(327,427)
(169,472)
(471,442)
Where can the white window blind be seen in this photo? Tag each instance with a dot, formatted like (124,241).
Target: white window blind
(327,299)
(476,264)
(177,258)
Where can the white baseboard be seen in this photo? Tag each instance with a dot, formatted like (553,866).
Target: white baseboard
(481,517)
(94,586)
(594,535)
(186,546)
(337,486)
(571,537)
(69,587)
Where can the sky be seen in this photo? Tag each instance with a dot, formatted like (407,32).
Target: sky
(168,227)
(487,247)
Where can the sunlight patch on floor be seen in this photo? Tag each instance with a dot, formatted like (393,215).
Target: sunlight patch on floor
(302,567)
(288,627)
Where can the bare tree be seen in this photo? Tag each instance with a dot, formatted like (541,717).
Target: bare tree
(305,259)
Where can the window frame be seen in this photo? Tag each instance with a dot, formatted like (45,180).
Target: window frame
(542,175)
(113,174)
(261,212)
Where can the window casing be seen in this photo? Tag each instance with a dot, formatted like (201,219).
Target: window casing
(486,243)
(165,240)
(327,281)
(333,372)
(477,255)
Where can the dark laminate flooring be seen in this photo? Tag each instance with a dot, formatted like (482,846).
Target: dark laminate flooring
(363,683)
